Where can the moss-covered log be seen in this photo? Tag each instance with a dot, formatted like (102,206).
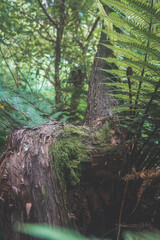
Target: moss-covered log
(58,174)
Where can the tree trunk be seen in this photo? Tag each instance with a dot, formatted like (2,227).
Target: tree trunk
(100,103)
(57,82)
(38,185)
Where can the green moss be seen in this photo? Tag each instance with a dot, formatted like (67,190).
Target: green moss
(70,152)
(104,138)
(80,131)
(104,135)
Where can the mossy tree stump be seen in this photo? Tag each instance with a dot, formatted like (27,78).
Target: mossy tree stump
(60,175)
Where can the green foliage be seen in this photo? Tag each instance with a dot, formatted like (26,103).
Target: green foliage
(140,236)
(29,50)
(30,47)
(23,109)
(70,152)
(50,233)
(136,50)
(104,135)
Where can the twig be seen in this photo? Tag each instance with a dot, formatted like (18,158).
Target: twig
(28,17)
(19,69)
(9,68)
(48,16)
(47,39)
(93,28)
(120,215)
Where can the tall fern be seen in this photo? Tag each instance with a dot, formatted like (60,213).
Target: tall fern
(137,51)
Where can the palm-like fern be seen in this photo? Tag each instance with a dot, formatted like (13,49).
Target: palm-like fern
(136,49)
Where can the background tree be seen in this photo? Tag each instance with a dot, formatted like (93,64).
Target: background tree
(29,51)
(42,50)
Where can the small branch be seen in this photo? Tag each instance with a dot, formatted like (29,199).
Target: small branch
(17,110)
(9,68)
(9,116)
(93,28)
(84,47)
(47,39)
(28,17)
(43,27)
(20,70)
(48,16)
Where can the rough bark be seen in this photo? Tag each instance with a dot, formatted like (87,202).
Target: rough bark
(57,82)
(29,179)
(60,29)
(100,104)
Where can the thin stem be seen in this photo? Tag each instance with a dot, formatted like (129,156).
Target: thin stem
(147,108)
(25,80)
(9,68)
(144,144)
(139,89)
(120,215)
(93,28)
(142,74)
(48,16)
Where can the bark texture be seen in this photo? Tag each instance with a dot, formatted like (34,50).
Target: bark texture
(100,104)
(31,190)
(29,179)
(82,190)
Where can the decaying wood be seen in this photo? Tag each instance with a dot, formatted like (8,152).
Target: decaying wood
(35,195)
(31,192)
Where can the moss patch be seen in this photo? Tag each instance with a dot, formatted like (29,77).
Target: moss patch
(104,138)
(70,152)
(78,131)
(104,135)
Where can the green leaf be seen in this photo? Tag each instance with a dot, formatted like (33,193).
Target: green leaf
(49,233)
(57,114)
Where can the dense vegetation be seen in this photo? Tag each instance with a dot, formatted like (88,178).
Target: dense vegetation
(136,51)
(47,50)
(133,32)
(46,57)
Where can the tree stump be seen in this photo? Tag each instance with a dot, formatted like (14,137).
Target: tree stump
(59,175)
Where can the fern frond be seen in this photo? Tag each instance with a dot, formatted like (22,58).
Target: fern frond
(134,28)
(127,10)
(119,51)
(146,9)
(153,53)
(136,46)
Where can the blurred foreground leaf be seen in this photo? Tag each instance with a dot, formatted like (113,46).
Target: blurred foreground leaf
(48,232)
(51,233)
(141,236)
